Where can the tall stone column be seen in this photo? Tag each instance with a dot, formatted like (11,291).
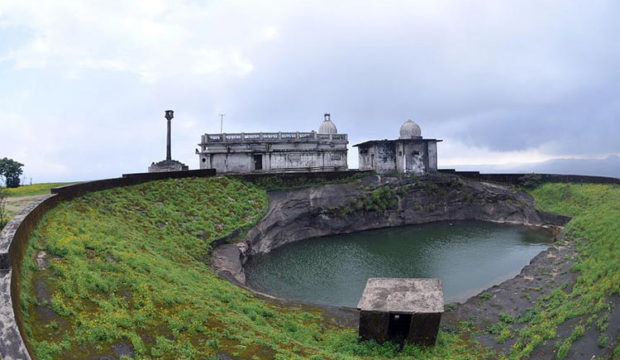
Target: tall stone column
(168,164)
(169,116)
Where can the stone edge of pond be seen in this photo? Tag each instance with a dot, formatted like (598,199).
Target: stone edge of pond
(228,259)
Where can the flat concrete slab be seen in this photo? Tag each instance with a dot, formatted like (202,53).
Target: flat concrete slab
(404,296)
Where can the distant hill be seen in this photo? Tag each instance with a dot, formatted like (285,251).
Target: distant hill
(609,166)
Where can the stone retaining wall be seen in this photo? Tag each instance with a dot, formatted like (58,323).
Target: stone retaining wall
(13,244)
(519,178)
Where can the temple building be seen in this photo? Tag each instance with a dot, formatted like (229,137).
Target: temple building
(410,153)
(275,151)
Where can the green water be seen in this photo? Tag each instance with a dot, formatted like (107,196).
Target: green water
(468,256)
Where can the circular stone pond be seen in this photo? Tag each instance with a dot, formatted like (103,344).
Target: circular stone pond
(468,256)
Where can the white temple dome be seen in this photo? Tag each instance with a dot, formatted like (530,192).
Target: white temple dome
(410,130)
(328,127)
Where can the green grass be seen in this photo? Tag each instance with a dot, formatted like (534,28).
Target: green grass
(595,228)
(35,189)
(128,264)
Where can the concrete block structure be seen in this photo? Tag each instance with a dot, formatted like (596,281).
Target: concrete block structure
(275,151)
(410,153)
(401,310)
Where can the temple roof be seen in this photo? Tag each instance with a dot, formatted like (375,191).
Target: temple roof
(410,130)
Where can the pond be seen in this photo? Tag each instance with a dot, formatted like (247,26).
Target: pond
(468,256)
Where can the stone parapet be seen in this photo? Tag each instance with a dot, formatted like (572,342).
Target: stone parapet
(270,137)
(521,178)
(13,243)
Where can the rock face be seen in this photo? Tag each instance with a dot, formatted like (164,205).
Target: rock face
(378,202)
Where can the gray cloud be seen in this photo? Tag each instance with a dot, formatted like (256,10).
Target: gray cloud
(497,76)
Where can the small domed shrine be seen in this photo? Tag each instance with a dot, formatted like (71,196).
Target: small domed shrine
(410,153)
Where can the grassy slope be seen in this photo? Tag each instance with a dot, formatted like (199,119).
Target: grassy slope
(596,229)
(128,266)
(36,189)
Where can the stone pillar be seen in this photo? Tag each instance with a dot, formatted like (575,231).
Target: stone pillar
(168,150)
(169,116)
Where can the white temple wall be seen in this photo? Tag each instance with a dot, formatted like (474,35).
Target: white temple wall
(432,156)
(414,153)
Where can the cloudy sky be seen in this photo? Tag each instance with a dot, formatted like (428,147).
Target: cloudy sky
(505,84)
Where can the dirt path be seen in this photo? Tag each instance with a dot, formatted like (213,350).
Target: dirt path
(24,198)
(15,204)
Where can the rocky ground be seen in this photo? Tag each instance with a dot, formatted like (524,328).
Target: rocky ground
(299,214)
(377,202)
(517,297)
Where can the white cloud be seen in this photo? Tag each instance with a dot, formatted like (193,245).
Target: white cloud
(154,39)
(85,83)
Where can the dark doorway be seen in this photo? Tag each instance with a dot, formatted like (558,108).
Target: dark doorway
(258,162)
(398,327)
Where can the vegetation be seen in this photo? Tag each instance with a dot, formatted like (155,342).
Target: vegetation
(35,189)
(531,181)
(13,200)
(595,228)
(380,199)
(10,171)
(4,216)
(127,265)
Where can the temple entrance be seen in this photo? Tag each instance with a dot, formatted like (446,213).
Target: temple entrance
(258,162)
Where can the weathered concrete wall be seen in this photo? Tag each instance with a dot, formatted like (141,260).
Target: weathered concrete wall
(519,178)
(13,244)
(416,156)
(237,153)
(374,325)
(432,156)
(298,178)
(380,157)
(276,161)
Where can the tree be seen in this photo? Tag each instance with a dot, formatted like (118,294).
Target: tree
(10,170)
